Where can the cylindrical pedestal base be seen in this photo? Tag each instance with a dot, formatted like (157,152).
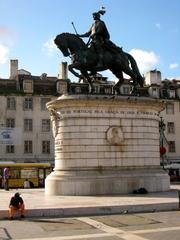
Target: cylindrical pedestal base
(106,182)
(105,146)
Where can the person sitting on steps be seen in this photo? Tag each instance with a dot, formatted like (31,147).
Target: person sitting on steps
(16,205)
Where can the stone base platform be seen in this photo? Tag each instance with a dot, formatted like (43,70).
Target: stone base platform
(105,145)
(106,182)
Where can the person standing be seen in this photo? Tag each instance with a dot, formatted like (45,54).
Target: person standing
(6,178)
(0,181)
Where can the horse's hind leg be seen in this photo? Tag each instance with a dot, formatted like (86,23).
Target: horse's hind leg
(118,73)
(129,72)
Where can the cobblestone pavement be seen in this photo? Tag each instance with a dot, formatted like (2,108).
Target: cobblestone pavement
(142,226)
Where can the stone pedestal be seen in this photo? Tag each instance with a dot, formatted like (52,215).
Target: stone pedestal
(105,145)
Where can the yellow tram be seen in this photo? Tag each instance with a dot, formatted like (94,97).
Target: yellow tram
(19,172)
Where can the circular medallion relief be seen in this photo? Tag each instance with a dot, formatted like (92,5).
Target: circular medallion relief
(115,135)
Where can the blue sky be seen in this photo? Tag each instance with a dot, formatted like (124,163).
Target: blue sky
(147,29)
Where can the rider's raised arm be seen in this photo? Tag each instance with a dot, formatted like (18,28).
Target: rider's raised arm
(87,34)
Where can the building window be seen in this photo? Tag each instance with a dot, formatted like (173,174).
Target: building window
(154,92)
(28,104)
(61,87)
(170,127)
(107,90)
(11,103)
(28,86)
(45,125)
(78,90)
(96,89)
(10,149)
(164,93)
(126,90)
(27,146)
(10,123)
(46,147)
(172,93)
(172,147)
(169,108)
(28,125)
(43,103)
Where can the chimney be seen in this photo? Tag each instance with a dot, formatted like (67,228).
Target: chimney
(13,68)
(63,71)
(153,77)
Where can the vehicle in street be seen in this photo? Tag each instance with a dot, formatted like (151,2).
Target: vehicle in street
(19,172)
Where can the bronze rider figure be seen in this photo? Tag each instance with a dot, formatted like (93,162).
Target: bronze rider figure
(98,35)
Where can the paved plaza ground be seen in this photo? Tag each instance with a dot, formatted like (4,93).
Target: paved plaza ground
(138,226)
(130,217)
(40,205)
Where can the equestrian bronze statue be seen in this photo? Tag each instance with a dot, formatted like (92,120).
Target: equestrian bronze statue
(99,54)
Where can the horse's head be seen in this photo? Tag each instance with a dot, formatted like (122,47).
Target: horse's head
(69,43)
(62,45)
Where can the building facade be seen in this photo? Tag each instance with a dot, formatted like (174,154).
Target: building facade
(168,91)
(25,126)
(24,117)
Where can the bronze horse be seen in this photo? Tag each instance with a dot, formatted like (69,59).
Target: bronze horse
(85,59)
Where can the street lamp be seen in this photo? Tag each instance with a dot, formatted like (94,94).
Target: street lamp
(162,127)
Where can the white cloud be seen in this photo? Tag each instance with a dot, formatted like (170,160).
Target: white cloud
(7,39)
(4,51)
(145,60)
(158,25)
(173,65)
(49,47)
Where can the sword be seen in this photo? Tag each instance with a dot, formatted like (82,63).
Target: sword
(74,28)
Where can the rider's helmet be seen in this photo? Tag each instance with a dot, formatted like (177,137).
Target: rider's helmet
(97,15)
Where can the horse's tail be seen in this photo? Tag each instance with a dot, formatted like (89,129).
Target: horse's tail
(135,69)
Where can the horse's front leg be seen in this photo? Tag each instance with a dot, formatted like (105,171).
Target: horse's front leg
(70,68)
(86,75)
